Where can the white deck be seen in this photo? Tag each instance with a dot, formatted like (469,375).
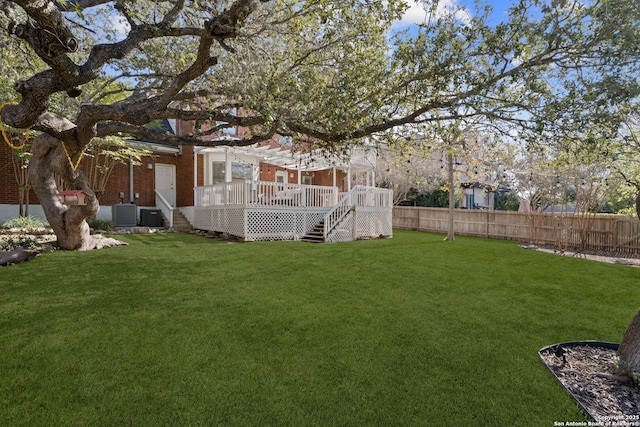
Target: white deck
(257,210)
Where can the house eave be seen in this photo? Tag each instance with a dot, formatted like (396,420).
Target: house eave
(290,160)
(154,148)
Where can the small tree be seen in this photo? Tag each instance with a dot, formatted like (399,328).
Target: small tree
(102,157)
(20,153)
(589,190)
(20,162)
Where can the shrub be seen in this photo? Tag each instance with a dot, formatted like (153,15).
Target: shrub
(27,242)
(100,224)
(29,223)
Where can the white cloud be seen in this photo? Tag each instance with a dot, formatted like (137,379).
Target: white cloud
(416,13)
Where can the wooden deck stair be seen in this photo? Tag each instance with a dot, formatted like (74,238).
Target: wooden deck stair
(316,235)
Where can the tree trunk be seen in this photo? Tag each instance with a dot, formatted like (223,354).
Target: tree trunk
(452,199)
(629,350)
(638,204)
(68,222)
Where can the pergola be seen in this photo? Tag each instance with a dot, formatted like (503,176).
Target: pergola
(360,161)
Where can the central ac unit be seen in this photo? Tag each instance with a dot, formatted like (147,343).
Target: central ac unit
(124,215)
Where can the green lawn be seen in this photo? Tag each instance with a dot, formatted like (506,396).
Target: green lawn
(181,330)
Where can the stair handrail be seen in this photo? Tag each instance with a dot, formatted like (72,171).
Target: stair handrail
(165,207)
(338,212)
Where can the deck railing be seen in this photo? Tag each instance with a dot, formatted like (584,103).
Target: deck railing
(265,194)
(372,197)
(360,197)
(165,207)
(337,214)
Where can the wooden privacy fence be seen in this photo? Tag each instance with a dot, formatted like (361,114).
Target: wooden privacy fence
(586,232)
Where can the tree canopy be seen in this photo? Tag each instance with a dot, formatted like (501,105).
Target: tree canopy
(333,71)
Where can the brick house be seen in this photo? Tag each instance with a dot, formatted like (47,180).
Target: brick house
(167,180)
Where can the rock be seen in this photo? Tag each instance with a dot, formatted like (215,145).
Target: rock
(140,230)
(16,256)
(101,242)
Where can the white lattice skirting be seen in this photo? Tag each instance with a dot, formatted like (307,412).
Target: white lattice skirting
(372,223)
(258,224)
(252,224)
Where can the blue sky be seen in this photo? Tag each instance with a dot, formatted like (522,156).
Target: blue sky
(416,13)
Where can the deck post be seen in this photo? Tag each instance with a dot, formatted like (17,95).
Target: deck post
(228,177)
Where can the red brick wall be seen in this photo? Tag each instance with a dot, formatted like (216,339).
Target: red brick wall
(323,177)
(184,177)
(268,172)
(8,183)
(144,180)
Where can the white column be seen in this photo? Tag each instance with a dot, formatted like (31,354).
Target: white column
(227,165)
(195,175)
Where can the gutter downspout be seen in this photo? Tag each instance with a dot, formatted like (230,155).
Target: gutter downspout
(195,174)
(131,195)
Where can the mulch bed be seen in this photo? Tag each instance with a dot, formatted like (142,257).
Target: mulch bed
(586,372)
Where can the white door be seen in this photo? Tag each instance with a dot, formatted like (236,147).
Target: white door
(165,182)
(281,180)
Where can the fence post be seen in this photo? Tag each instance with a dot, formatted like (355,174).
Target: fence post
(487,225)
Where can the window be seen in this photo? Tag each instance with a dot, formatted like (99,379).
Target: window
(239,172)
(281,177)
(217,172)
(470,201)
